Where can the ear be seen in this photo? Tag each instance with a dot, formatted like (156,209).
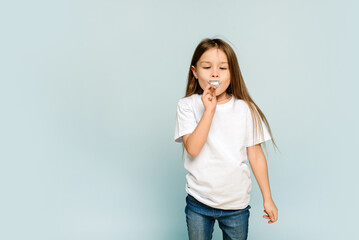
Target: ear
(194,71)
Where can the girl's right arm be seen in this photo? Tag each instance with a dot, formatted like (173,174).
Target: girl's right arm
(194,141)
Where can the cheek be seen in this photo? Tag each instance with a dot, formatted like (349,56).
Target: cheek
(202,84)
(202,73)
(226,83)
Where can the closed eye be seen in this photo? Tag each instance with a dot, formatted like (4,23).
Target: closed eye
(210,67)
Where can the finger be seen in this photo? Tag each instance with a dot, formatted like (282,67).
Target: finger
(271,215)
(206,90)
(208,96)
(214,91)
(275,216)
(211,90)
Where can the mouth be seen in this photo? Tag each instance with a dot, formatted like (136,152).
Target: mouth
(214,83)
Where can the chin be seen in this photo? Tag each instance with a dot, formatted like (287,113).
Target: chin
(219,93)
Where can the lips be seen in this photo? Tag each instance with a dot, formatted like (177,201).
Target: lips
(214,83)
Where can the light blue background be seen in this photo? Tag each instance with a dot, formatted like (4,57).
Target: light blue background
(88,101)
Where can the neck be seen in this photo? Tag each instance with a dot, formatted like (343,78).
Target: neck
(223,97)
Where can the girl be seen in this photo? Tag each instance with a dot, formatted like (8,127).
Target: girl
(218,129)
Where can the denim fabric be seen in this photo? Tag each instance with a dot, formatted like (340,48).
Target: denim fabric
(200,220)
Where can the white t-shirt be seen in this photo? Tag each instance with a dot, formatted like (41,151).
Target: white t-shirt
(219,176)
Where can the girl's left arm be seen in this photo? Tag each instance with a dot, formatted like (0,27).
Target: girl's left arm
(258,164)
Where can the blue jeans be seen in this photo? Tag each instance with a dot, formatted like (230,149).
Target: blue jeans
(200,220)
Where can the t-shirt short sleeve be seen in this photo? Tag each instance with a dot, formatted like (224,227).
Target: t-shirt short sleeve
(258,138)
(185,120)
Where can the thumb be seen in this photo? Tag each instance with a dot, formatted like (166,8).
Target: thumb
(271,215)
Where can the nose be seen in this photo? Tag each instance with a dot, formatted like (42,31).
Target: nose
(214,74)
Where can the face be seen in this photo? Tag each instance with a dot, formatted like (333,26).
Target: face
(213,65)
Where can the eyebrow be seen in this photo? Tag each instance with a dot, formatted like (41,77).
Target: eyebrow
(210,62)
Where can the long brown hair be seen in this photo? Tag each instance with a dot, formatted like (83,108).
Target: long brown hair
(236,87)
